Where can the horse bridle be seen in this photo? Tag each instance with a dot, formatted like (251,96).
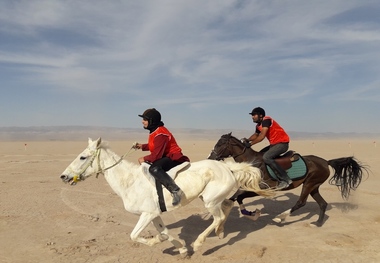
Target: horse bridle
(227,144)
(79,176)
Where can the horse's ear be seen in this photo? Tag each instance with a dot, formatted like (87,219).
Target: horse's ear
(89,140)
(99,141)
(230,134)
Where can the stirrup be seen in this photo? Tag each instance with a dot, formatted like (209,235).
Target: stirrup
(284,184)
(339,182)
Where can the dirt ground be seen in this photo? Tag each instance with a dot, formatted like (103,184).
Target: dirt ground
(44,220)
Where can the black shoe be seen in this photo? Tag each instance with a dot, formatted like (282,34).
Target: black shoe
(176,197)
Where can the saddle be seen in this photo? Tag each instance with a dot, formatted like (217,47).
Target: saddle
(285,160)
(292,163)
(177,169)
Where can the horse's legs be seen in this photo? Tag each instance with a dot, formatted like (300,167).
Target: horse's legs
(226,208)
(300,203)
(239,196)
(144,220)
(253,215)
(322,205)
(219,217)
(164,235)
(244,195)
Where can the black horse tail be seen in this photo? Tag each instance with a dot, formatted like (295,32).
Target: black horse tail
(348,174)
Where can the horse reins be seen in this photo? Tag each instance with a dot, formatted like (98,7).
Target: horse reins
(218,153)
(79,176)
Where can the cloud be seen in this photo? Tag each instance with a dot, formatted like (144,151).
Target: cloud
(368,92)
(193,53)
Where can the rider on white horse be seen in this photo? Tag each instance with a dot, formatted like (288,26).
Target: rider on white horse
(164,152)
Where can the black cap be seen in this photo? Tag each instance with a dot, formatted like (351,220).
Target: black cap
(152,115)
(258,110)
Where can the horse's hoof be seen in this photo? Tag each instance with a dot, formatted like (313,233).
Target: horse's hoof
(184,253)
(253,215)
(281,218)
(196,246)
(316,224)
(163,237)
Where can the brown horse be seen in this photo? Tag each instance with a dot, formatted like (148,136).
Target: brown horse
(310,171)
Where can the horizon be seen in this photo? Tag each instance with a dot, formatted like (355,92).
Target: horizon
(174,129)
(75,133)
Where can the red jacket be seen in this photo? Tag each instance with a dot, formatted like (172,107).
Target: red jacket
(161,143)
(276,134)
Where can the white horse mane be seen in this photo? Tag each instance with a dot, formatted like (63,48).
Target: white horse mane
(102,144)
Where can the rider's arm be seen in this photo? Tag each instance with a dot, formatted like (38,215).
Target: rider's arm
(160,142)
(253,137)
(260,135)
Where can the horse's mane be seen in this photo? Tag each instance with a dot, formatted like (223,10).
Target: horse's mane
(229,135)
(104,145)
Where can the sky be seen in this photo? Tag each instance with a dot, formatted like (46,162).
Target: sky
(314,66)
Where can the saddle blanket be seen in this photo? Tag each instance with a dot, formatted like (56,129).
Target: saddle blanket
(296,172)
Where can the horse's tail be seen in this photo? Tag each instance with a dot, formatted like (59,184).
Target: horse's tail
(348,174)
(249,178)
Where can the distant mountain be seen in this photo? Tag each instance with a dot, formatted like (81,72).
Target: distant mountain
(66,133)
(78,133)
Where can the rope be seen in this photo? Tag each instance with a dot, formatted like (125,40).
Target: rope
(78,176)
(101,171)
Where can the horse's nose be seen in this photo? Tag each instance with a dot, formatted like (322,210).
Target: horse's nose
(63,177)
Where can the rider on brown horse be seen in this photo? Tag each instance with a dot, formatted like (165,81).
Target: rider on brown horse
(278,140)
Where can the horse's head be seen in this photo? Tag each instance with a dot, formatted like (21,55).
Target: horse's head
(82,167)
(227,146)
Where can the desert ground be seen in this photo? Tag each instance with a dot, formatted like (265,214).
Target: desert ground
(44,220)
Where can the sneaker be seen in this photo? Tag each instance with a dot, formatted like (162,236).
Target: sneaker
(176,197)
(284,184)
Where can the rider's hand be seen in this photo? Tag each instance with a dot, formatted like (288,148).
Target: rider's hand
(136,145)
(246,142)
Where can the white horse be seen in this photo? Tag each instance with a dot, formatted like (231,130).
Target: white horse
(210,180)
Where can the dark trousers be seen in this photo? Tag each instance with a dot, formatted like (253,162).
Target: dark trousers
(270,153)
(158,170)
(165,163)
